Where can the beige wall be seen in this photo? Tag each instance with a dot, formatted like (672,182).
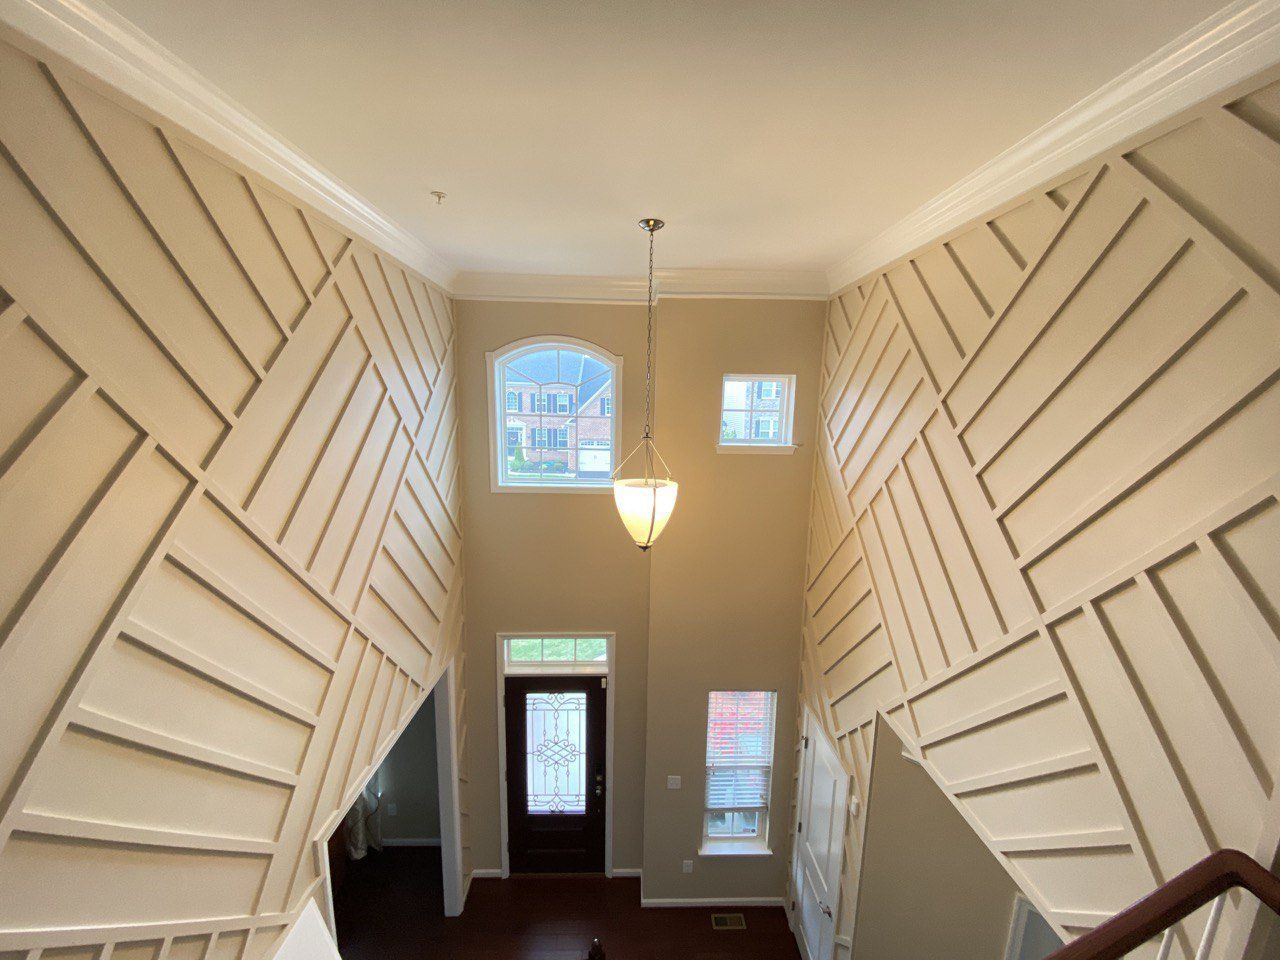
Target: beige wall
(1043,528)
(717,632)
(230,522)
(546,561)
(727,578)
(919,854)
(409,779)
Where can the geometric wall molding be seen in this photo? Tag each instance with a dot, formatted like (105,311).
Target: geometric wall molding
(1045,508)
(229,491)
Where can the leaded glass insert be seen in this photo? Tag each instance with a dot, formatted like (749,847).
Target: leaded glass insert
(556,752)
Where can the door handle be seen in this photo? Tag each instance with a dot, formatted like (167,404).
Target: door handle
(825,909)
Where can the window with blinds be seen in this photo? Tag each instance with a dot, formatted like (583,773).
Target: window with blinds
(740,734)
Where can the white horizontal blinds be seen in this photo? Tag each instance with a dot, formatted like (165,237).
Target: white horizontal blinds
(740,734)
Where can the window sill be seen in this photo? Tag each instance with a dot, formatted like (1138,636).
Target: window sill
(735,848)
(549,488)
(774,448)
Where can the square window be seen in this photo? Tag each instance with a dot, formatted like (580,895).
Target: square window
(756,411)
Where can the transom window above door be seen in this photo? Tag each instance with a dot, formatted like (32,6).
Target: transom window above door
(555,653)
(756,412)
(553,415)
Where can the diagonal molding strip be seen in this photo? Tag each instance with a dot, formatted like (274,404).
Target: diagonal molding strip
(1233,44)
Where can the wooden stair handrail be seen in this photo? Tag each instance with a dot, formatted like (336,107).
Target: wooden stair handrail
(1176,900)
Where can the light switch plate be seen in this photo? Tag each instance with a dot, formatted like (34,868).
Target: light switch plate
(686,866)
(673,783)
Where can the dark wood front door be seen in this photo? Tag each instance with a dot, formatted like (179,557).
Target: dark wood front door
(555,774)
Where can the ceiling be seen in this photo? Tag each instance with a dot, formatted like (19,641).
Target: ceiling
(769,135)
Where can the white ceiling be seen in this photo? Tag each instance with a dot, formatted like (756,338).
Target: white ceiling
(769,135)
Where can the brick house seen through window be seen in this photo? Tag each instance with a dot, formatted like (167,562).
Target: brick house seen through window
(554,412)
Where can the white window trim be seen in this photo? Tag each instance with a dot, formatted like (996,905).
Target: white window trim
(610,679)
(757,846)
(497,413)
(786,417)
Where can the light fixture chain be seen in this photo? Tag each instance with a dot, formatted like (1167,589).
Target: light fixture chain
(648,370)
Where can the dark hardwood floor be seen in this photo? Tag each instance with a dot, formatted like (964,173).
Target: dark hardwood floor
(390,908)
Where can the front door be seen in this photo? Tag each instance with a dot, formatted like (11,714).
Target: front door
(824,806)
(555,728)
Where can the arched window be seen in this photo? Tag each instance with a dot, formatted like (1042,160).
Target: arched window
(553,415)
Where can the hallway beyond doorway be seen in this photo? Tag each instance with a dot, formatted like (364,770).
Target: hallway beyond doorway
(389,908)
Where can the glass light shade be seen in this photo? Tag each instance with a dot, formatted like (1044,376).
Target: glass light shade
(645,506)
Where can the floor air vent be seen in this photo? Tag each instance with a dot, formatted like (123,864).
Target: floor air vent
(728,921)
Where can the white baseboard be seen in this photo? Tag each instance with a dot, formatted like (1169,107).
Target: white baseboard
(411,841)
(712,901)
(626,871)
(480,873)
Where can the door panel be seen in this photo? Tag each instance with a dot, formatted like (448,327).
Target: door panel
(555,730)
(824,806)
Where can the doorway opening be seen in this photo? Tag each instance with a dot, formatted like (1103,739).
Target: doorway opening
(918,853)
(394,861)
(555,729)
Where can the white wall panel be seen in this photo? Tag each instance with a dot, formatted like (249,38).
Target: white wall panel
(1044,518)
(230,517)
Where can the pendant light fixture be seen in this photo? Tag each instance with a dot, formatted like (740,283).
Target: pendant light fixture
(645,502)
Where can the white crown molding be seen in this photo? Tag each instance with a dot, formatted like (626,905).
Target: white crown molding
(1238,41)
(740,284)
(95,38)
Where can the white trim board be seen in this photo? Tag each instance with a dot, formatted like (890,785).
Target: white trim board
(93,37)
(712,901)
(485,873)
(1228,47)
(687,283)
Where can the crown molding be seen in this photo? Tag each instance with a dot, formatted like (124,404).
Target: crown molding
(93,37)
(1238,41)
(690,283)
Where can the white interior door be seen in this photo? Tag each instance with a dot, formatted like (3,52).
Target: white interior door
(824,805)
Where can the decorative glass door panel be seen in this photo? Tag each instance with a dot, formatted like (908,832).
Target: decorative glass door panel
(556,752)
(555,733)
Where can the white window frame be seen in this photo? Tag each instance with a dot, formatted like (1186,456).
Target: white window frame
(783,443)
(758,845)
(497,412)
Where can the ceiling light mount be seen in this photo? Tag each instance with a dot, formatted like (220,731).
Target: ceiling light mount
(439,195)
(651,225)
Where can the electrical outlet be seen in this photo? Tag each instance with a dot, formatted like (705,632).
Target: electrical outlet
(673,783)
(391,809)
(686,866)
